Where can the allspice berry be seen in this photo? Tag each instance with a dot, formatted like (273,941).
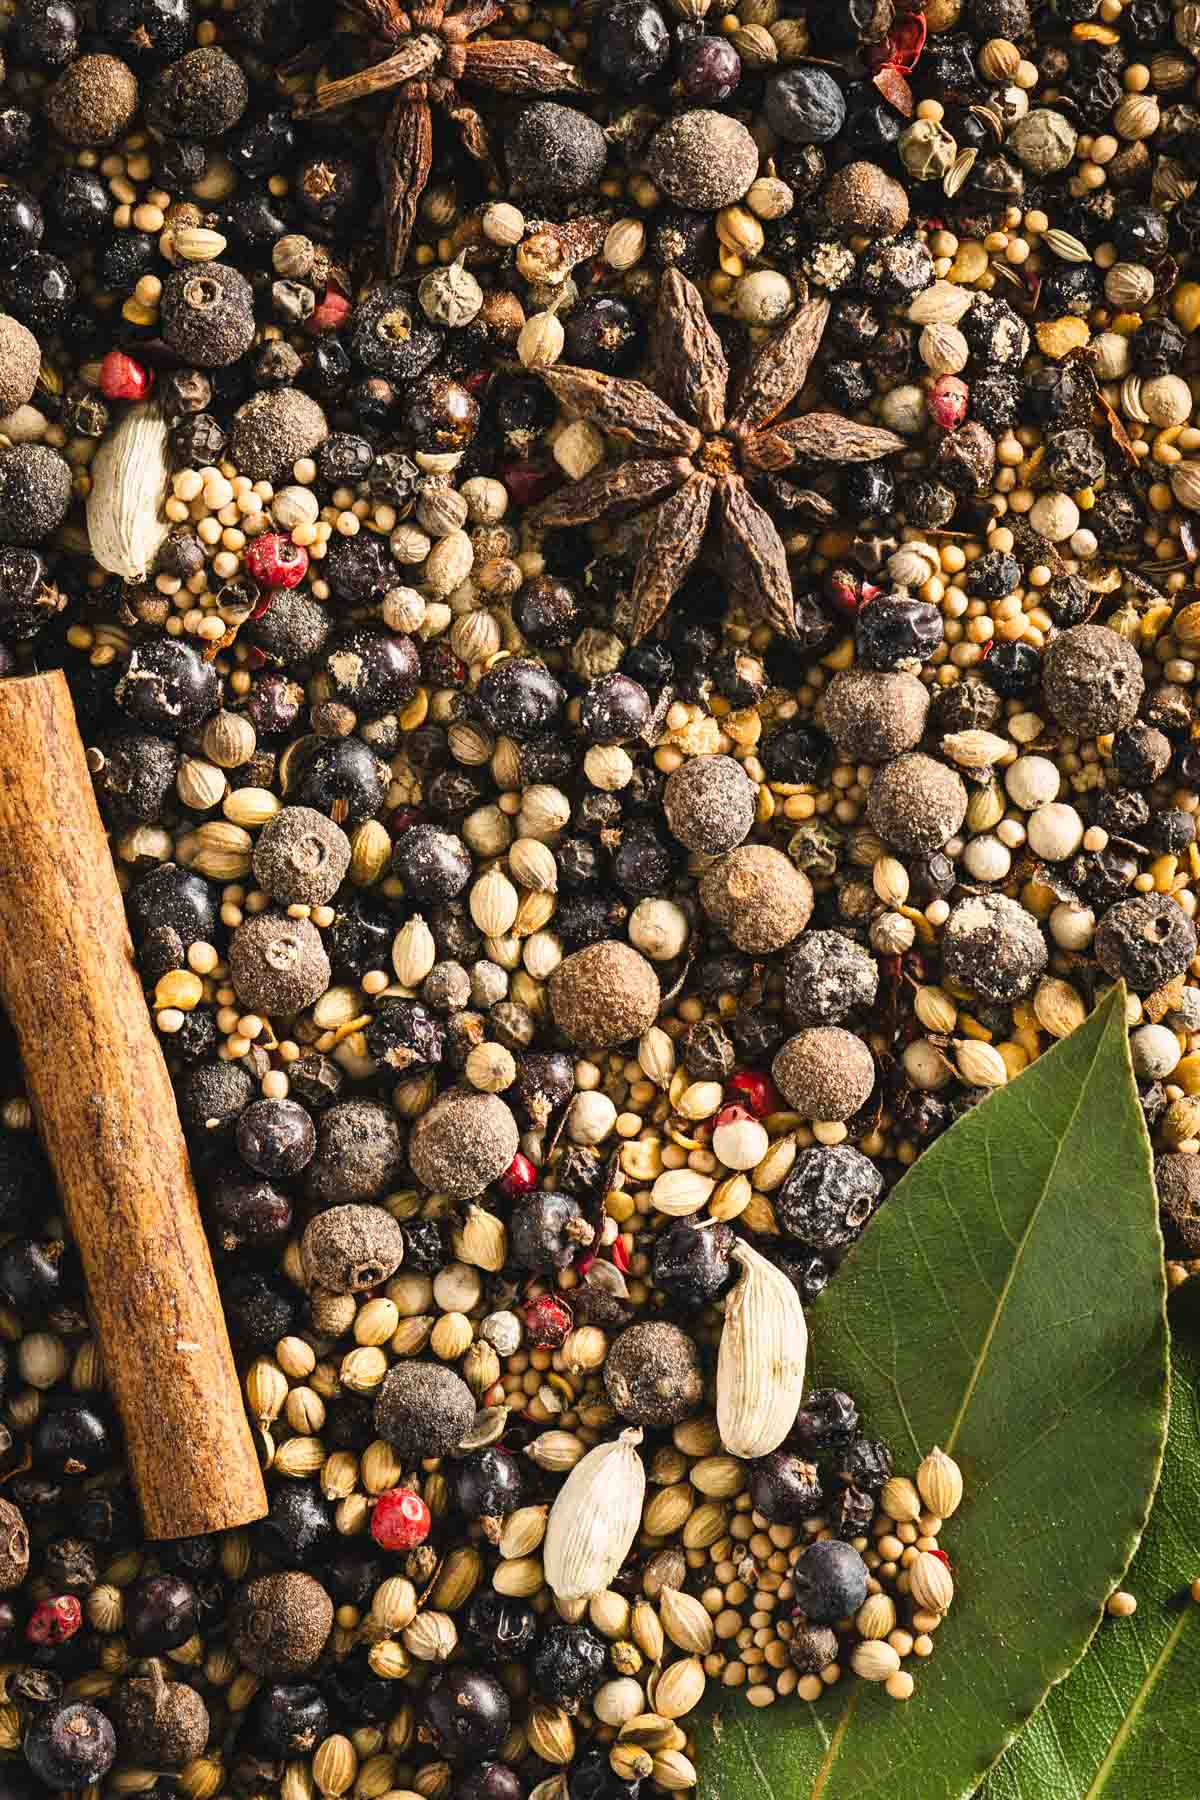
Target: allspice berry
(993,947)
(916,804)
(703,160)
(1092,680)
(758,897)
(207,314)
(93,101)
(604,995)
(14,1547)
(350,1248)
(359,1154)
(824,1073)
(861,197)
(465,1141)
(1178,1179)
(873,715)
(20,360)
(423,1409)
(709,803)
(301,857)
(273,430)
(280,1623)
(158,1722)
(653,1375)
(200,96)
(277,964)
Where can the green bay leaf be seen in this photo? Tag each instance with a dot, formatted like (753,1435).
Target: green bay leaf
(1125,1725)
(1006,1303)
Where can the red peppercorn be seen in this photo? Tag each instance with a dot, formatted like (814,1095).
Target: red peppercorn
(547,1321)
(519,1178)
(732,1114)
(947,401)
(902,47)
(757,1093)
(54,1621)
(275,562)
(123,379)
(530,481)
(332,310)
(400,1520)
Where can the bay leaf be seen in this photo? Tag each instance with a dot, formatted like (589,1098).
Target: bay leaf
(1125,1724)
(1006,1303)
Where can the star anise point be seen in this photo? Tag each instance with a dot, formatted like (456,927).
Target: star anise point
(688,452)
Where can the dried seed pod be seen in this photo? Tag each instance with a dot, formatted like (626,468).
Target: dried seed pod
(494,902)
(900,1500)
(935,1009)
(523,1531)
(519,1577)
(686,1622)
(760,1364)
(431,1638)
(874,1661)
(940,1483)
(931,1583)
(266,1389)
(556,1451)
(394,1603)
(680,1192)
(129,474)
(668,1508)
(718,1477)
(680,1688)
(550,1733)
(594,1518)
(1058,1008)
(646,1630)
(876,1617)
(656,1055)
(483,1240)
(413,952)
(980,1065)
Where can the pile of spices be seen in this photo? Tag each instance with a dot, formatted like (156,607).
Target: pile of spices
(627,577)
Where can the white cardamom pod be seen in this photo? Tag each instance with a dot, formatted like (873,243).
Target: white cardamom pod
(595,1518)
(129,482)
(760,1364)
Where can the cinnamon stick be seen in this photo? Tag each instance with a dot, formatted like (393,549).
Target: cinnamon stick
(106,1111)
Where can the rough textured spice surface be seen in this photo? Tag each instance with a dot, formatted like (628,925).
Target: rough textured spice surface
(916,803)
(423,1410)
(462,1143)
(874,715)
(653,1375)
(992,947)
(604,995)
(758,896)
(825,1073)
(709,804)
(350,1248)
(280,1624)
(120,1161)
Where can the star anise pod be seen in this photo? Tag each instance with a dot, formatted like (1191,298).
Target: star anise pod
(699,447)
(424,54)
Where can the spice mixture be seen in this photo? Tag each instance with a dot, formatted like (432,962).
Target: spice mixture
(627,576)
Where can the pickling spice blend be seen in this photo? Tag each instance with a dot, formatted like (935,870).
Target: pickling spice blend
(626,575)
